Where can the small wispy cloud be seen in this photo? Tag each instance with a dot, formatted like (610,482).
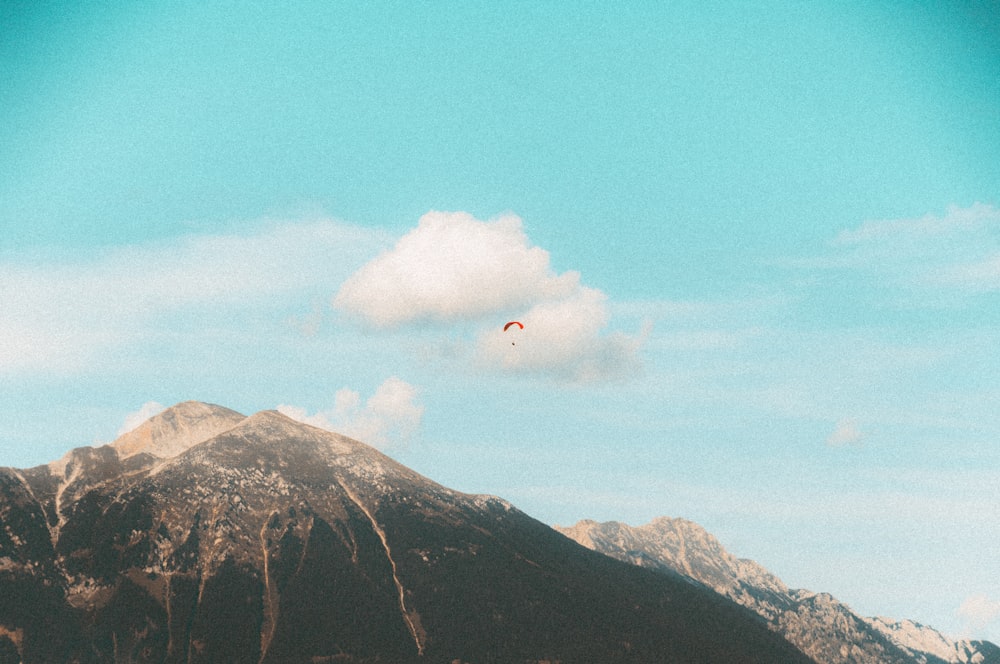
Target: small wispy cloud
(978,613)
(956,221)
(454,268)
(957,251)
(59,315)
(309,324)
(845,432)
(388,419)
(146,411)
(982,275)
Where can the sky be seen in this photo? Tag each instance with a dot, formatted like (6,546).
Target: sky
(755,248)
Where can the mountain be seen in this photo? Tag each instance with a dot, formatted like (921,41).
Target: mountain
(175,430)
(207,536)
(823,628)
(925,643)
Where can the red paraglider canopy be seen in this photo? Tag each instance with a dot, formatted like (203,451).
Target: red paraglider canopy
(513,322)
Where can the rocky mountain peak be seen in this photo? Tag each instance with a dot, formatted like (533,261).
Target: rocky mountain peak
(664,543)
(821,626)
(204,536)
(176,430)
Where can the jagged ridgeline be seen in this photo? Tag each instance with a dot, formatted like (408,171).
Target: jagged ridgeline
(823,628)
(207,536)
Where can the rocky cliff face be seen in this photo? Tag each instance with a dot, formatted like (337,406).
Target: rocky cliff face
(206,536)
(823,628)
(924,643)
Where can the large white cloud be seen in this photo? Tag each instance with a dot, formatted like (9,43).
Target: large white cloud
(388,419)
(455,268)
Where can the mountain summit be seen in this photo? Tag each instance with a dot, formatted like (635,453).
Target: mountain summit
(176,429)
(207,536)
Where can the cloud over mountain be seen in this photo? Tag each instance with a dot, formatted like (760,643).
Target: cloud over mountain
(134,419)
(389,418)
(978,611)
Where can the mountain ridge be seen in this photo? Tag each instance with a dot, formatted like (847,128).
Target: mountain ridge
(275,541)
(820,625)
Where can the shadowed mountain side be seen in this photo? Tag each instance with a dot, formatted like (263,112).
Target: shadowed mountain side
(274,541)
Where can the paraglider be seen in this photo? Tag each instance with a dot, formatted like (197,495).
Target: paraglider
(508,326)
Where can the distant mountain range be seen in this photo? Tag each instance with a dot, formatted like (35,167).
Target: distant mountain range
(823,628)
(208,536)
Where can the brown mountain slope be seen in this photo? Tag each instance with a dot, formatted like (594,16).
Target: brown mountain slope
(273,541)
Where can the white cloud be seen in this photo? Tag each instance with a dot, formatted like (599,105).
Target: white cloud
(563,338)
(956,221)
(846,432)
(956,251)
(281,258)
(132,420)
(981,275)
(978,612)
(454,268)
(309,324)
(58,314)
(388,419)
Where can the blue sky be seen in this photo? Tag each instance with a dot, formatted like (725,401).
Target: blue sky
(757,252)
